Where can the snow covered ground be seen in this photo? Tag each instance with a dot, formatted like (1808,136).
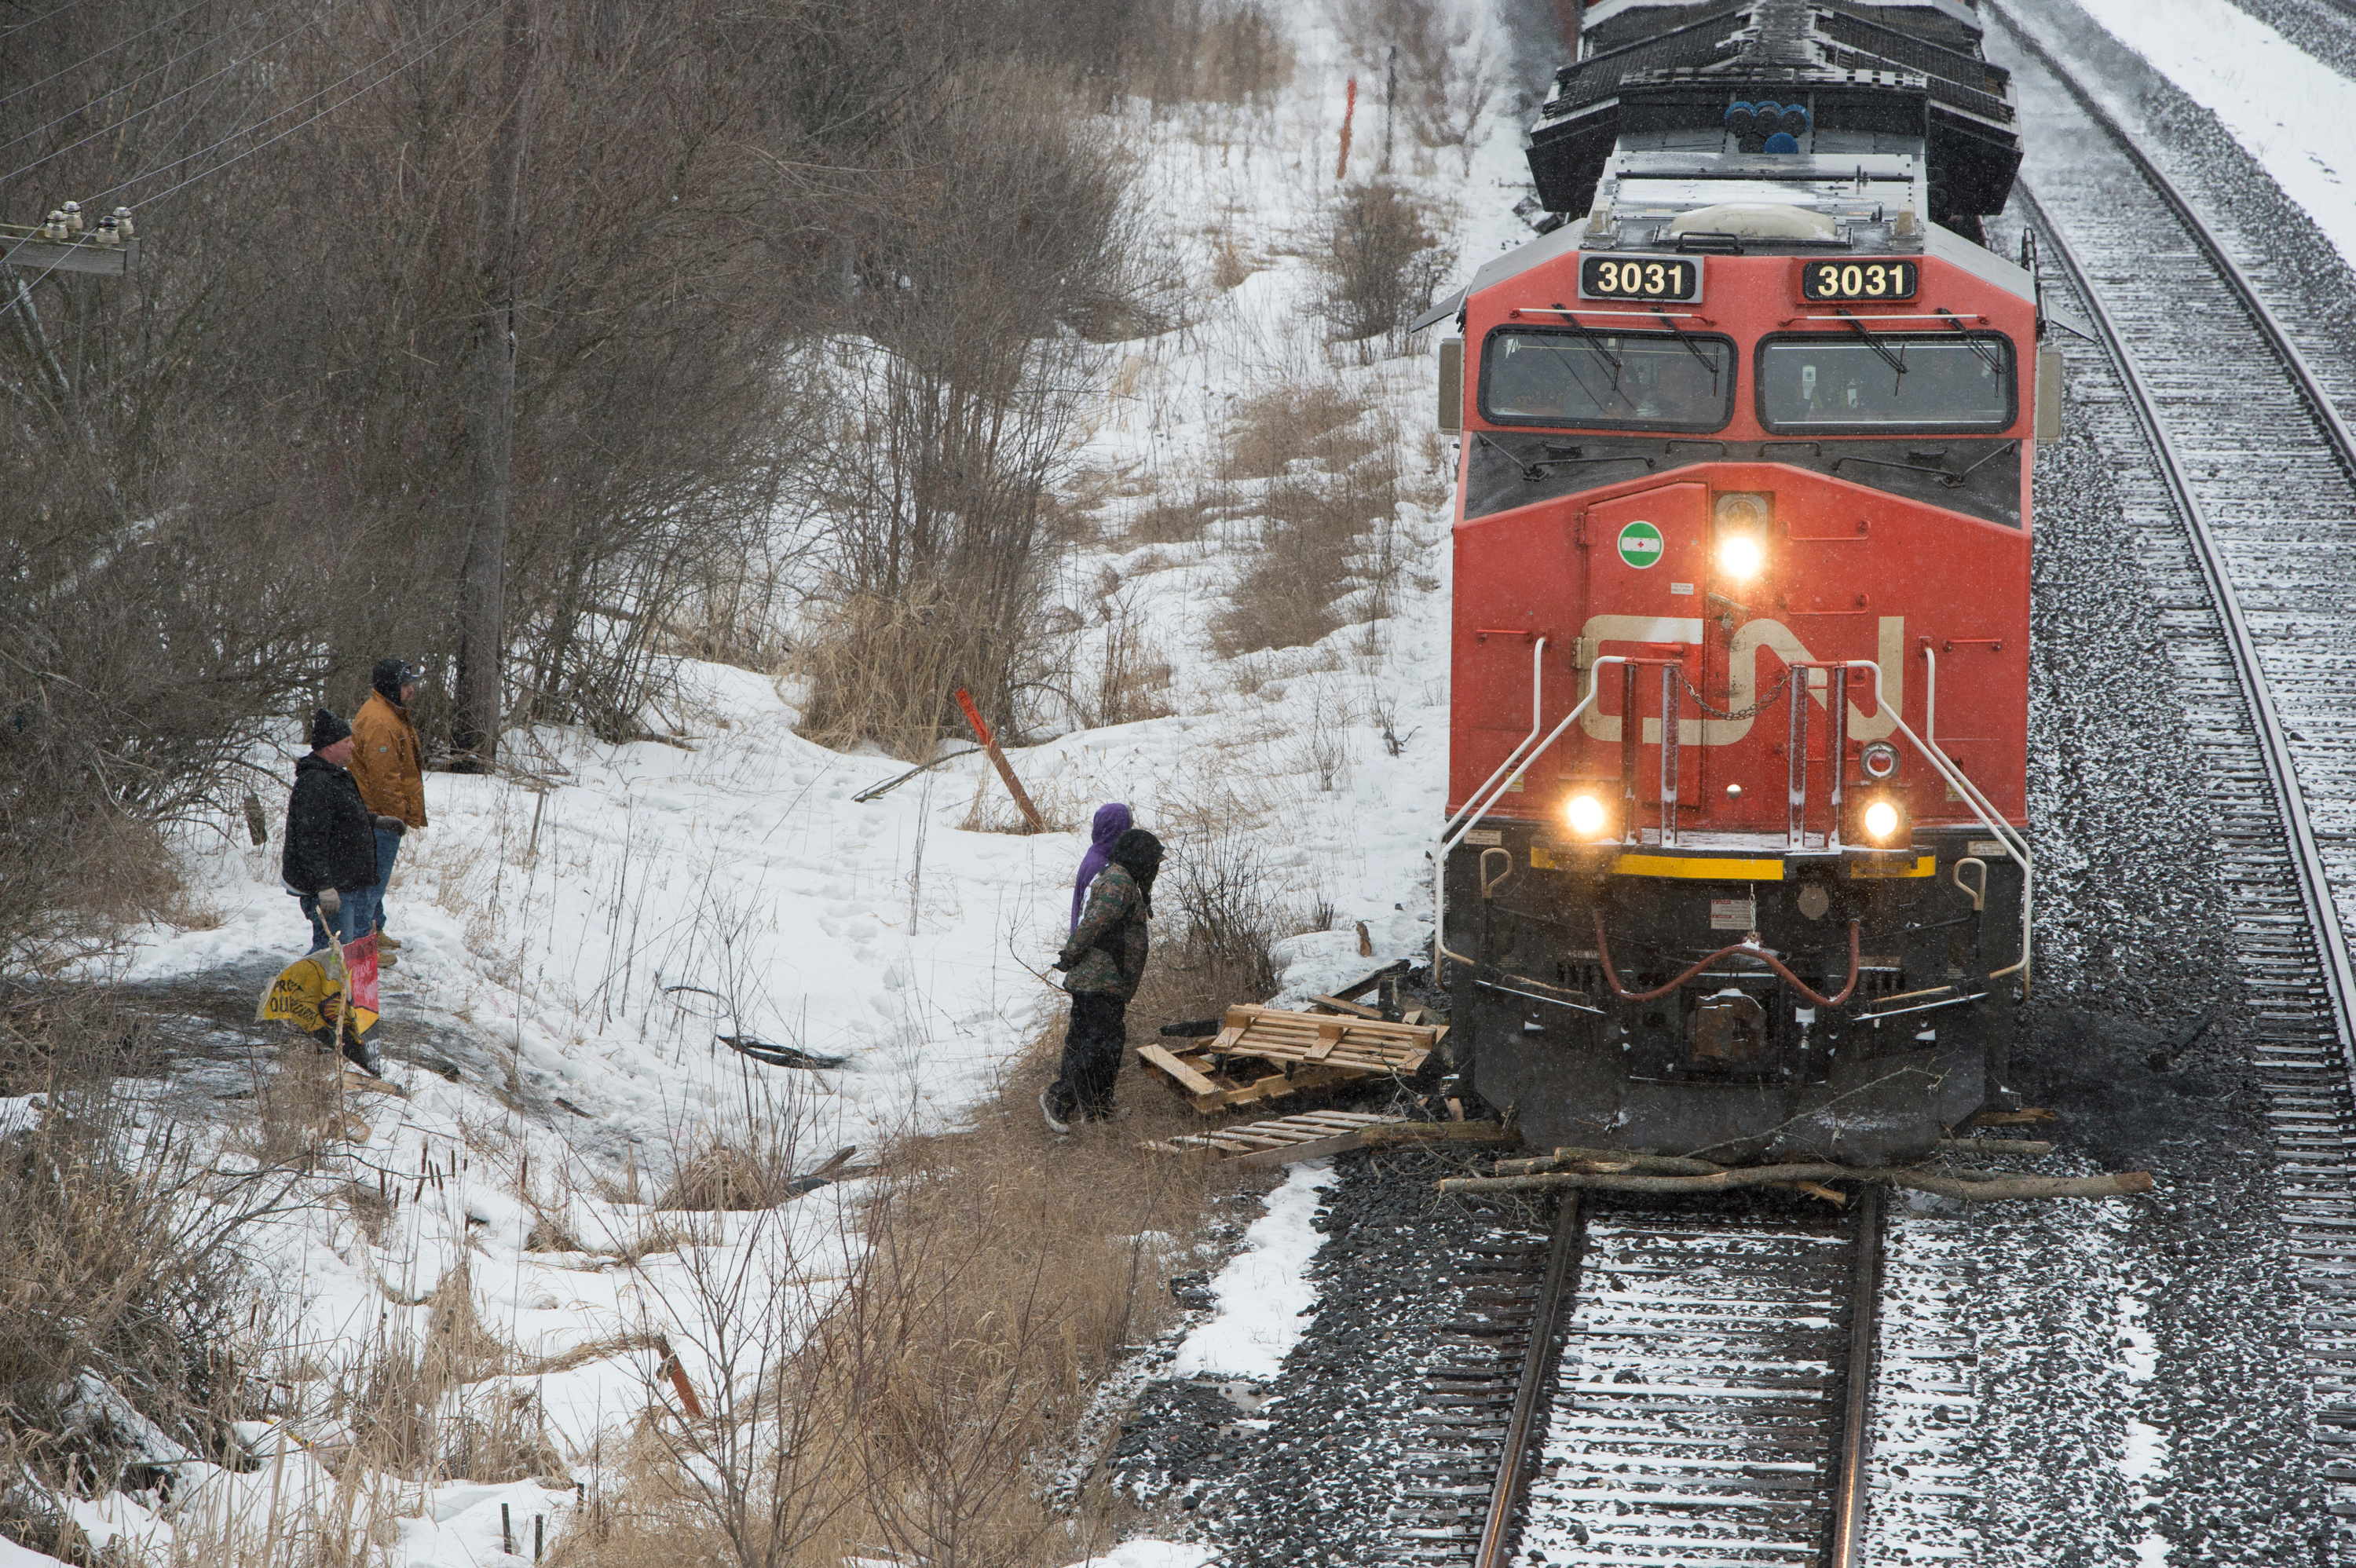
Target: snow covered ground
(599,926)
(2288,110)
(600,929)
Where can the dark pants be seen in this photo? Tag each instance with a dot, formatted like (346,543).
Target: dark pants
(1092,1047)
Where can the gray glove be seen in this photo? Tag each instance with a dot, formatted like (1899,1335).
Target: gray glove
(331,902)
(392,825)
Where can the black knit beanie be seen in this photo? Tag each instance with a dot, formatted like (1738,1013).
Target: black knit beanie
(327,730)
(388,676)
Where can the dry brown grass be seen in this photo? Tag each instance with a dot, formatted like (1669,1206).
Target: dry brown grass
(1324,523)
(124,1304)
(880,668)
(1003,1273)
(1311,419)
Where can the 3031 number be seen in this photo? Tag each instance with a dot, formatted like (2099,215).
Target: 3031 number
(1640,278)
(1859,280)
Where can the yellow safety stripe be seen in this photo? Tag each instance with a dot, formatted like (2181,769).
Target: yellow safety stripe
(1713,870)
(1924,866)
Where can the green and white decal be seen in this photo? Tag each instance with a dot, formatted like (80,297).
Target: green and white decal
(1640,545)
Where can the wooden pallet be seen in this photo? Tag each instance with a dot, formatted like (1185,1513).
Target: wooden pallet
(1264,1053)
(1265,1145)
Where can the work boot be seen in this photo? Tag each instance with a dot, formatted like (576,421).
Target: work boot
(385,960)
(386,941)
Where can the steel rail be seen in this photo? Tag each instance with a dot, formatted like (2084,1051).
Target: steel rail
(1847,1536)
(2290,800)
(2326,413)
(1521,1428)
(2314,878)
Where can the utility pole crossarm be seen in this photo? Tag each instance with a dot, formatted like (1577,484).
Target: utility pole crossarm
(27,247)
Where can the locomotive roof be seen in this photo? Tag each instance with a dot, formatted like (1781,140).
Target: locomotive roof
(1958,11)
(1643,193)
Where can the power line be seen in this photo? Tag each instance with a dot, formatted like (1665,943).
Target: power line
(487,7)
(22,296)
(150,109)
(100,55)
(36,21)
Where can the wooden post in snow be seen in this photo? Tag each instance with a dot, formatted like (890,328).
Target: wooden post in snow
(998,760)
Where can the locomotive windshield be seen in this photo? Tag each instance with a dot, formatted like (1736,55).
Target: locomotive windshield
(1607,380)
(1892,382)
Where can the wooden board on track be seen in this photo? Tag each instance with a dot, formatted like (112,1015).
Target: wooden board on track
(1266,1053)
(1265,1145)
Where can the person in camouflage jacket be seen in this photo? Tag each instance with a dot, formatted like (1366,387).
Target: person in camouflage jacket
(1102,964)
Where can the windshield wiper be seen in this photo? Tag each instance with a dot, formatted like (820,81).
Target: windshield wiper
(1691,347)
(1532,472)
(1988,355)
(1593,339)
(1894,361)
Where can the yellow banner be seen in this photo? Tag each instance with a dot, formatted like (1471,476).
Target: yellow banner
(307,993)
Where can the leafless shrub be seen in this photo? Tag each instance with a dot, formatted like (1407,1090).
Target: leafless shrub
(1381,262)
(1445,79)
(123,1300)
(1124,681)
(975,314)
(1219,913)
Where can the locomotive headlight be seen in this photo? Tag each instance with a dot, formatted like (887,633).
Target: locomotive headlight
(1739,557)
(1586,816)
(1880,821)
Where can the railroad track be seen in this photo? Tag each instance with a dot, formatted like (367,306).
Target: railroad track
(2252,469)
(1655,1388)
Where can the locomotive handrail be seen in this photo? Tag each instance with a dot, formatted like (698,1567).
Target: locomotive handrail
(2014,844)
(1739,949)
(1482,799)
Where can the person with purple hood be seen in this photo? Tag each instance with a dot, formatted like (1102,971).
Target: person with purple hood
(1102,963)
(1112,821)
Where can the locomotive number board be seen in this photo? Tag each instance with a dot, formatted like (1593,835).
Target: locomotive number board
(1882,280)
(1640,278)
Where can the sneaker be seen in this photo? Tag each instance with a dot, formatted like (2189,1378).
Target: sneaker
(1055,1124)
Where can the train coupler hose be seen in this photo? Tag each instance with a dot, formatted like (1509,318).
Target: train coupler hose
(1750,950)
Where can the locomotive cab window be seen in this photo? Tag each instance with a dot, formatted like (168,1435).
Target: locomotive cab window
(1897,383)
(1607,380)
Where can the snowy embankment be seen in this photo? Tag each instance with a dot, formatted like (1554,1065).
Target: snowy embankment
(2288,110)
(596,921)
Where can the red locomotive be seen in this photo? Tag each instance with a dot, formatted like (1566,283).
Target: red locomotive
(1737,857)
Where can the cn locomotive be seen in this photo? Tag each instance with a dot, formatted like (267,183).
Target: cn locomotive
(1737,857)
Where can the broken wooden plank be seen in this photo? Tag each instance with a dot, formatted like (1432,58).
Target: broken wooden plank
(1282,1141)
(1191,1081)
(1353,1008)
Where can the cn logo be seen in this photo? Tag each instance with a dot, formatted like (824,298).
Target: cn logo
(1742,674)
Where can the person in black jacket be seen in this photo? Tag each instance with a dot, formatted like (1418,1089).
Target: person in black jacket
(330,835)
(1102,964)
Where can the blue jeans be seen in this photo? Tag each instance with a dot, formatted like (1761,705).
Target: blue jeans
(347,922)
(372,899)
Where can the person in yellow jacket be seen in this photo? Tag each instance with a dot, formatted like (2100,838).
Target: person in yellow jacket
(388,763)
